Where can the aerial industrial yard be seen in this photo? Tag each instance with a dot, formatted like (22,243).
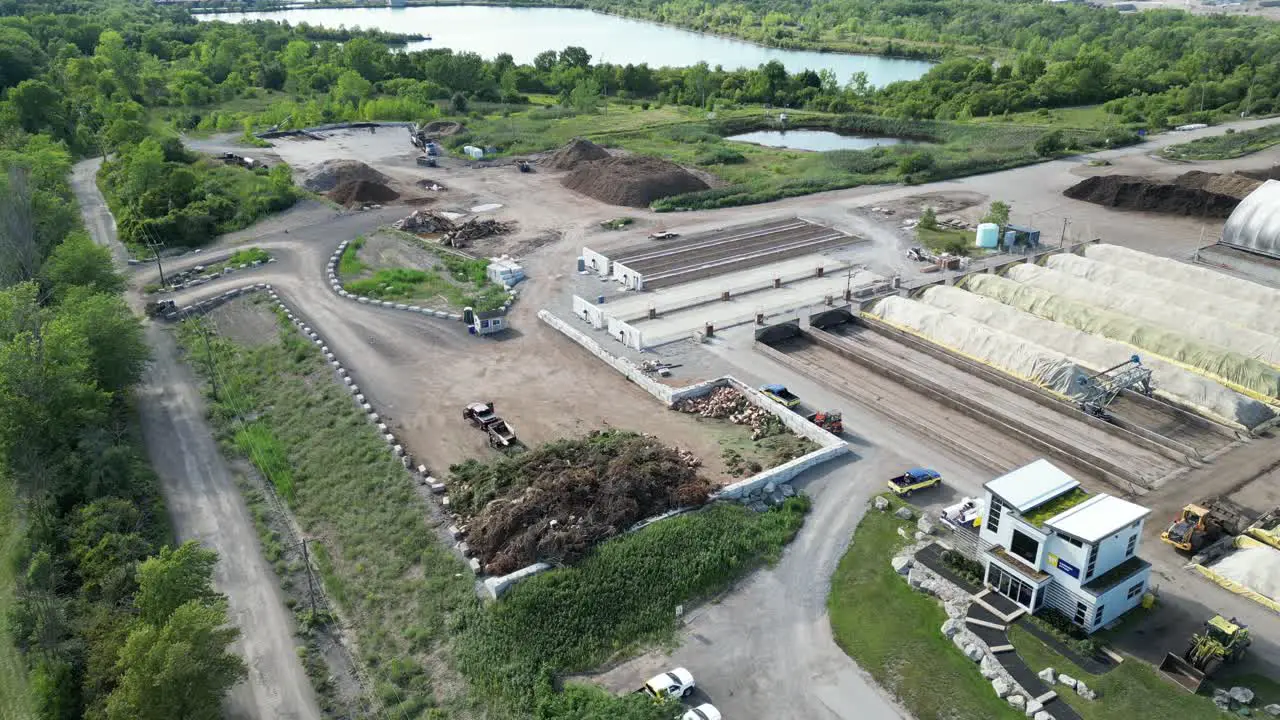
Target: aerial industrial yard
(1137,357)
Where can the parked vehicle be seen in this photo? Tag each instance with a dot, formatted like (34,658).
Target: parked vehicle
(479,414)
(426,161)
(780,394)
(675,683)
(663,235)
(913,480)
(832,422)
(967,513)
(705,711)
(501,434)
(1224,641)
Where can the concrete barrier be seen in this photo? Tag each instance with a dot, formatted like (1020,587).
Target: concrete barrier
(622,365)
(495,587)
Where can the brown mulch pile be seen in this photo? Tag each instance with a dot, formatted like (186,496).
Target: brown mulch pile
(576,152)
(1192,193)
(362,191)
(334,173)
(631,180)
(554,503)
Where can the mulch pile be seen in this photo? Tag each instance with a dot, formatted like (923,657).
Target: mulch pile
(631,180)
(728,403)
(362,191)
(1192,193)
(554,503)
(577,151)
(333,173)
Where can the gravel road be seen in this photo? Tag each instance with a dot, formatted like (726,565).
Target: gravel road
(204,504)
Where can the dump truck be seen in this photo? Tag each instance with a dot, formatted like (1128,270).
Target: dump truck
(1224,641)
(832,422)
(913,480)
(501,434)
(1201,524)
(780,394)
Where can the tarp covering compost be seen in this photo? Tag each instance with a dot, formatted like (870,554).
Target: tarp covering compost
(1230,310)
(1200,277)
(1178,385)
(1257,379)
(1155,311)
(1014,355)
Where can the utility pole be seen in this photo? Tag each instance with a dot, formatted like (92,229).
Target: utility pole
(155,246)
(311,588)
(1063,240)
(848,285)
(208,350)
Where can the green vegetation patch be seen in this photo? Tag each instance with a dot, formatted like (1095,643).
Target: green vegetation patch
(894,633)
(1228,145)
(943,240)
(1041,514)
(15,697)
(1132,690)
(456,281)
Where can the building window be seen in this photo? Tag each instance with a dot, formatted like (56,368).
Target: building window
(1072,541)
(993,517)
(1097,614)
(1024,546)
(1081,613)
(1093,562)
(1133,545)
(1135,591)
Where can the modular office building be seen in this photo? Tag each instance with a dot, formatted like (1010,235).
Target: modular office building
(1047,543)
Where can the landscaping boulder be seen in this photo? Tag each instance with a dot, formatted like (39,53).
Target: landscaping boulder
(1042,715)
(920,536)
(903,533)
(1046,675)
(903,513)
(1067,680)
(1242,695)
(1001,686)
(880,503)
(955,609)
(951,627)
(963,639)
(925,525)
(1273,710)
(1222,699)
(1033,707)
(902,564)
(1085,691)
(990,667)
(974,653)
(1016,701)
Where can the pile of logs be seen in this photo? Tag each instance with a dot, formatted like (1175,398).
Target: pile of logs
(729,404)
(451,233)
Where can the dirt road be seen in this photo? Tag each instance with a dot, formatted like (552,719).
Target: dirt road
(205,505)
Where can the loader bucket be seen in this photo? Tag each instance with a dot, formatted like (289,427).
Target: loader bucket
(1182,672)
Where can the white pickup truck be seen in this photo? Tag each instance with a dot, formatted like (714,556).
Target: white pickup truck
(706,711)
(676,683)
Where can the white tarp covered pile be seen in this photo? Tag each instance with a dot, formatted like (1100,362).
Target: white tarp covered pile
(1233,311)
(1250,343)
(1014,355)
(1180,386)
(1258,379)
(1181,272)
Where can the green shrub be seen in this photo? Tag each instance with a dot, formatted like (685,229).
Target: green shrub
(720,155)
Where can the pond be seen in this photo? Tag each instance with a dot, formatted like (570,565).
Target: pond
(816,140)
(525,32)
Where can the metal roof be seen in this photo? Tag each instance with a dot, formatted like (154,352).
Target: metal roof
(1031,485)
(1255,223)
(1097,517)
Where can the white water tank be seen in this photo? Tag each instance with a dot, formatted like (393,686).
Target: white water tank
(988,235)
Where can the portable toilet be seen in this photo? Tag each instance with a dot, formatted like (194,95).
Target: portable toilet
(988,235)
(473,152)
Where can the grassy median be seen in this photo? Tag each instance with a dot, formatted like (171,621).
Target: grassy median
(894,632)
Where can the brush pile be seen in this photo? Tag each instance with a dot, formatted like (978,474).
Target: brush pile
(451,233)
(555,502)
(726,403)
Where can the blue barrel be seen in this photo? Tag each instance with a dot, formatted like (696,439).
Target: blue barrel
(599,299)
(582,264)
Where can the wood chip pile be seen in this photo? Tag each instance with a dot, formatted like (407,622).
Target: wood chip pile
(729,404)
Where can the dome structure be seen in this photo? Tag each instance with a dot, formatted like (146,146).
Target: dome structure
(1255,223)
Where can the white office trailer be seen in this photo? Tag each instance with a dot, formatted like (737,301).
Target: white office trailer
(1049,544)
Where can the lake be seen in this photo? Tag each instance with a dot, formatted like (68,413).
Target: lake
(816,140)
(525,32)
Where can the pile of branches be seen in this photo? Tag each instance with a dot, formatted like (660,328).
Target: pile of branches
(727,403)
(554,503)
(451,233)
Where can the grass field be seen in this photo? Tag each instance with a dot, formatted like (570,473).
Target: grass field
(431,649)
(957,242)
(1225,146)
(1132,690)
(15,698)
(894,632)
(453,282)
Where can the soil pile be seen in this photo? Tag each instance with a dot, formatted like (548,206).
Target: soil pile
(554,503)
(1194,193)
(1262,174)
(333,173)
(441,128)
(632,180)
(575,153)
(362,191)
